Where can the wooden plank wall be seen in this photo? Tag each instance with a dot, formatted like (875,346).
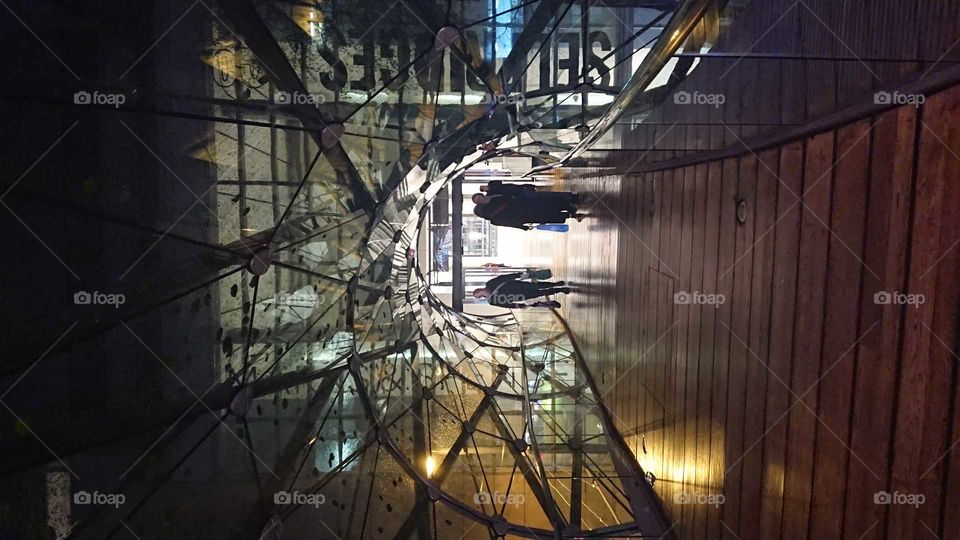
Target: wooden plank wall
(764,94)
(799,398)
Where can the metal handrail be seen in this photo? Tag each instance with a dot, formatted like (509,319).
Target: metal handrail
(677,31)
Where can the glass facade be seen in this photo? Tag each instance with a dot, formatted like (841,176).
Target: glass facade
(255,245)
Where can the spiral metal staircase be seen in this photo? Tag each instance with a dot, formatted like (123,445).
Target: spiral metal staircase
(336,372)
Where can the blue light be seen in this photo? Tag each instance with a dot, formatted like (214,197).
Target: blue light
(504,37)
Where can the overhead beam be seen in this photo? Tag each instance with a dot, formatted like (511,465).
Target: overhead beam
(540,491)
(441,472)
(285,465)
(426,18)
(248,25)
(681,25)
(532,34)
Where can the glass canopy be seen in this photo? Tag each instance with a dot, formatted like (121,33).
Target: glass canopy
(300,367)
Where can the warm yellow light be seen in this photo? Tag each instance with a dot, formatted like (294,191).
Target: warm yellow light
(431,466)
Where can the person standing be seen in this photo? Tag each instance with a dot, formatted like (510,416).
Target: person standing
(497,187)
(510,291)
(524,211)
(530,192)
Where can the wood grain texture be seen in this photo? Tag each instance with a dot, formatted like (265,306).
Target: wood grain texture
(802,397)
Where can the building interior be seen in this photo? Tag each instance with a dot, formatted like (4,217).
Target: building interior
(241,245)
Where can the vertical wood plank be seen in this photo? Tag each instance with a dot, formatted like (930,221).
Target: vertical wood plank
(875,379)
(706,427)
(681,354)
(808,330)
(737,328)
(758,359)
(921,399)
(841,334)
(939,449)
(720,459)
(692,455)
(786,252)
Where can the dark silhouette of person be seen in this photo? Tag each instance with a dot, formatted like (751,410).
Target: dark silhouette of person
(530,192)
(509,291)
(520,205)
(520,214)
(497,187)
(524,213)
